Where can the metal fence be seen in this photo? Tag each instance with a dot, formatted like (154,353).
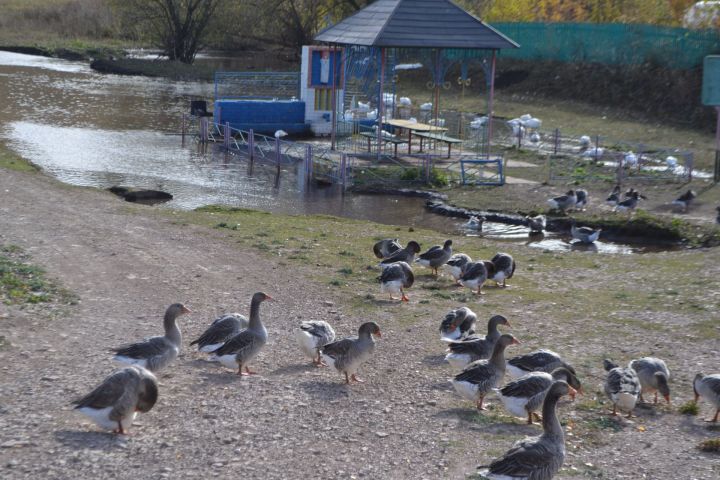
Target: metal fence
(230,85)
(611,43)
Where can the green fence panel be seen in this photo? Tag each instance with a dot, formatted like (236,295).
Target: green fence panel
(612,44)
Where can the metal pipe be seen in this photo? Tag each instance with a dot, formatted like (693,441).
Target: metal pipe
(333,70)
(381,104)
(491,101)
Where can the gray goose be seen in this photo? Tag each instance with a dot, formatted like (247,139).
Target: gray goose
(348,354)
(614,197)
(504,268)
(684,200)
(114,403)
(386,247)
(456,264)
(312,336)
(220,330)
(524,396)
(436,256)
(406,254)
(475,274)
(536,224)
(622,387)
(629,204)
(155,353)
(535,458)
(480,377)
(653,375)
(582,199)
(536,361)
(584,234)
(238,351)
(458,323)
(394,278)
(563,202)
(460,354)
(708,387)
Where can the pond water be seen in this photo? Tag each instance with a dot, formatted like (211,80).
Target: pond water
(100,130)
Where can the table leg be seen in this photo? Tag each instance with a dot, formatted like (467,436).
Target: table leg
(449,145)
(410,142)
(368,144)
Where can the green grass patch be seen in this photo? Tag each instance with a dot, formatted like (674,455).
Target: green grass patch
(23,283)
(10,161)
(689,408)
(710,445)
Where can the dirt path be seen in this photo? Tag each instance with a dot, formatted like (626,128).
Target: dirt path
(127,263)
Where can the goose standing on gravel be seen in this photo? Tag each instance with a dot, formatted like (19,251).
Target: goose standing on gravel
(524,396)
(653,375)
(504,268)
(406,254)
(582,199)
(708,387)
(348,354)
(436,256)
(462,353)
(537,361)
(456,264)
(474,223)
(536,224)
(480,377)
(155,353)
(584,234)
(385,248)
(458,323)
(622,387)
(475,274)
(563,202)
(312,336)
(246,344)
(220,331)
(614,197)
(114,403)
(684,200)
(394,278)
(535,458)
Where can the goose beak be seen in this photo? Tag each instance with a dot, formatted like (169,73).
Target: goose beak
(515,342)
(378,334)
(507,323)
(268,297)
(572,392)
(186,310)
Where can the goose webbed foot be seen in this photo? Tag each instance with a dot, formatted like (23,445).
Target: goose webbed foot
(356,379)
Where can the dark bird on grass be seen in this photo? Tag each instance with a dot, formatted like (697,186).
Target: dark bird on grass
(396,277)
(563,202)
(653,375)
(504,268)
(614,198)
(436,256)
(582,199)
(629,204)
(457,324)
(684,200)
(406,254)
(475,274)
(386,247)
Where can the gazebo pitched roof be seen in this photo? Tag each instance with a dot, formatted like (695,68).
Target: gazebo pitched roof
(415,24)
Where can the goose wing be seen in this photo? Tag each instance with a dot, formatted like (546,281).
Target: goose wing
(532,459)
(151,347)
(221,329)
(536,360)
(339,348)
(527,386)
(237,344)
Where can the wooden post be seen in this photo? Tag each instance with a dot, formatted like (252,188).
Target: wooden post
(333,95)
(226,136)
(251,145)
(490,102)
(381,104)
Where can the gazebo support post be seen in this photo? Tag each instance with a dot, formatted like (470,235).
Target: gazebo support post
(333,58)
(381,104)
(436,100)
(490,101)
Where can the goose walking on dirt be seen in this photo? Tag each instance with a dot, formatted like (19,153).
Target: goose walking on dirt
(406,254)
(504,268)
(462,353)
(241,349)
(708,387)
(114,403)
(458,323)
(622,387)
(456,264)
(385,248)
(155,353)
(396,277)
(535,458)
(312,336)
(563,202)
(221,330)
(653,375)
(436,256)
(475,274)
(524,396)
(348,354)
(480,377)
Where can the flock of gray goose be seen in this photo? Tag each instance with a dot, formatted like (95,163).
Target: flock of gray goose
(538,379)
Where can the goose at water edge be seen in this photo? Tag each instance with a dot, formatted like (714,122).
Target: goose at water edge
(456,264)
(394,278)
(312,336)
(220,330)
(563,202)
(475,274)
(155,353)
(536,224)
(524,396)
(406,254)
(622,387)
(114,403)
(653,375)
(480,377)
(436,256)
(458,323)
(584,234)
(462,353)
(348,354)
(535,458)
(474,223)
(238,351)
(708,387)
(504,268)
(386,247)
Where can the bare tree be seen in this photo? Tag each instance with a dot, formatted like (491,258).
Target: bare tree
(178,27)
